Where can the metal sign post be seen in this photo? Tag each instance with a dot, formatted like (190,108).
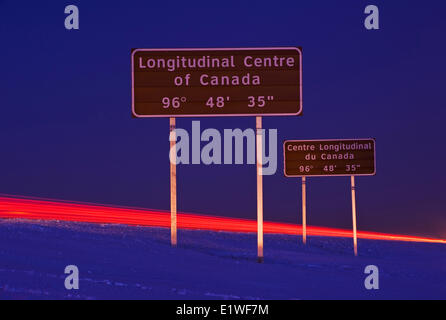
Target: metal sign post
(259,143)
(173,184)
(355,239)
(304,210)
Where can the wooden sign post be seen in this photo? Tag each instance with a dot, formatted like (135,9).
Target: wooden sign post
(217,82)
(322,158)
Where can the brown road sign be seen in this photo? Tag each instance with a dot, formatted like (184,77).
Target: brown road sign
(216,82)
(352,157)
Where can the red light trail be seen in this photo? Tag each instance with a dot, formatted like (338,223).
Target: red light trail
(38,209)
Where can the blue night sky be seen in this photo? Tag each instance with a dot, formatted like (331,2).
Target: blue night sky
(67,131)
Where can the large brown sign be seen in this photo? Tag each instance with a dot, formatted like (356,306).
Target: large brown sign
(216,82)
(353,157)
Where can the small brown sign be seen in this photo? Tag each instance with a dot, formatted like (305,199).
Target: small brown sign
(216,82)
(353,157)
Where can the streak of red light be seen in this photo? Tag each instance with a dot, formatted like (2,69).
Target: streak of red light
(27,208)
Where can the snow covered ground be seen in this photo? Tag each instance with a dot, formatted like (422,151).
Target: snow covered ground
(122,262)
